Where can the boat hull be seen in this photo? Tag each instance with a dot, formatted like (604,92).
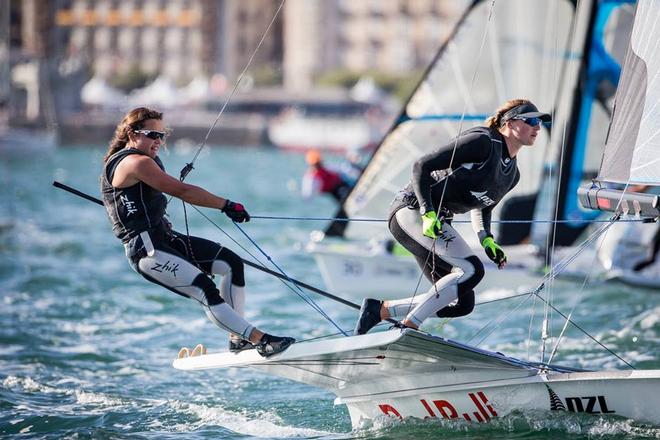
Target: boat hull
(357,270)
(414,374)
(632,395)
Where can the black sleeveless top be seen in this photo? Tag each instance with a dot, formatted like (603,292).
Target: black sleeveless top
(136,208)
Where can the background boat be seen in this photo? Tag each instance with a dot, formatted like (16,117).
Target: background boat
(354,120)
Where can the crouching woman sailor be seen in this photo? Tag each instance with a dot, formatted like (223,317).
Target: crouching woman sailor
(471,173)
(133,183)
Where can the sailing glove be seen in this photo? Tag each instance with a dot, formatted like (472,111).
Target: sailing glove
(494,252)
(235,211)
(431,224)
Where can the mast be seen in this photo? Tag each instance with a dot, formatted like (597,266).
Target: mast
(4,63)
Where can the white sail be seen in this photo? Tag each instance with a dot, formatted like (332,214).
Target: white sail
(632,152)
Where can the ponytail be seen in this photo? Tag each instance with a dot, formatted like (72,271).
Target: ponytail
(495,121)
(133,120)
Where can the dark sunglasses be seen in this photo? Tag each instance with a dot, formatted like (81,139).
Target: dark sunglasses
(152,134)
(533,122)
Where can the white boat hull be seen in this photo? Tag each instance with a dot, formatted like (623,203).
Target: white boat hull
(413,374)
(626,394)
(352,269)
(354,272)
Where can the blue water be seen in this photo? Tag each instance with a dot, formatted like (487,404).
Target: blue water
(86,344)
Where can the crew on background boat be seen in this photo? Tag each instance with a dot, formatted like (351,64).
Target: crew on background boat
(319,179)
(471,173)
(133,183)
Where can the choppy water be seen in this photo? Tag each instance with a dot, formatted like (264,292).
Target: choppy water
(86,344)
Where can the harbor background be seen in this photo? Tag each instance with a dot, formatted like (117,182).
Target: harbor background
(72,68)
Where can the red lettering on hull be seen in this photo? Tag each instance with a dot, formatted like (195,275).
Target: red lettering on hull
(447,410)
(388,410)
(444,406)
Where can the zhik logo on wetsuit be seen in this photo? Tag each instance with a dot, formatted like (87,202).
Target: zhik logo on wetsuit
(129,204)
(166,267)
(487,201)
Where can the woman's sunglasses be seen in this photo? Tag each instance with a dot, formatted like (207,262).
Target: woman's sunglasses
(152,134)
(533,122)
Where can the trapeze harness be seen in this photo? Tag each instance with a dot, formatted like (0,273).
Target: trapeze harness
(180,263)
(483,173)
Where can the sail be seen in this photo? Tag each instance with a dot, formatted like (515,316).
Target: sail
(524,45)
(632,151)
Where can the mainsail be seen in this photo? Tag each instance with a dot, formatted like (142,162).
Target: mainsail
(632,149)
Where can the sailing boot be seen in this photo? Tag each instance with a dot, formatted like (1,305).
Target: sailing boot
(238,345)
(369,316)
(270,345)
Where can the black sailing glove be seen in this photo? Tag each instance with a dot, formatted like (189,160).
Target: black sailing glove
(236,212)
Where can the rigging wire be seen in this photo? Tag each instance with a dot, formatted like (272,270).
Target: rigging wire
(300,292)
(285,280)
(550,238)
(382,220)
(615,218)
(189,166)
(432,254)
(547,278)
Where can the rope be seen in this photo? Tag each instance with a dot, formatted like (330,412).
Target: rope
(382,220)
(298,291)
(189,166)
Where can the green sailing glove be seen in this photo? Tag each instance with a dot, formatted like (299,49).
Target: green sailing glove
(494,252)
(431,225)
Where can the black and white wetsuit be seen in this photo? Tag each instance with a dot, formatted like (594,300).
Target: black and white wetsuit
(481,174)
(176,261)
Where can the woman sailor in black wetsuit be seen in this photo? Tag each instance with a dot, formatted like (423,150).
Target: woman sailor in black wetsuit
(482,171)
(133,183)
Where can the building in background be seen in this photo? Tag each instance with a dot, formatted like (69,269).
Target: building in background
(394,36)
(183,39)
(190,53)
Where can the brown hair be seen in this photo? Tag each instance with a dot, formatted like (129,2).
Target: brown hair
(133,120)
(495,121)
